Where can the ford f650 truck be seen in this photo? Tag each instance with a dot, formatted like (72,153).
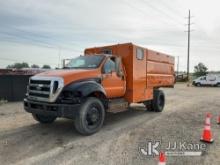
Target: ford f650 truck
(104,79)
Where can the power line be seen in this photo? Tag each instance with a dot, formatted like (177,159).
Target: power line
(161,12)
(152,7)
(172,9)
(35,41)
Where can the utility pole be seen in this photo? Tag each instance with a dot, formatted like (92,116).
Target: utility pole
(177,73)
(59,57)
(188,47)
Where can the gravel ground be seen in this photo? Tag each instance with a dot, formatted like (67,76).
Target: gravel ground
(24,141)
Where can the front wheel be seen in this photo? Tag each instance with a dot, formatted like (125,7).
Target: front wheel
(90,117)
(158,101)
(44,119)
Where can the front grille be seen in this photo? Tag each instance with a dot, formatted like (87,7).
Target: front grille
(38,95)
(45,89)
(45,82)
(39,88)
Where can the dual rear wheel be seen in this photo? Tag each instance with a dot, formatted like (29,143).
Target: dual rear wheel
(158,102)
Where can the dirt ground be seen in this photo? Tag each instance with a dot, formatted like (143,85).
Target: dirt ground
(24,141)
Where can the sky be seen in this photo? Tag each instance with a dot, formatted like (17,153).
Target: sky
(46,31)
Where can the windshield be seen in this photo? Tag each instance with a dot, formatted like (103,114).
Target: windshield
(85,62)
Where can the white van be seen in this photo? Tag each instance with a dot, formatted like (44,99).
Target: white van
(209,80)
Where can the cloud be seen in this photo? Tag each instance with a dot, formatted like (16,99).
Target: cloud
(47,27)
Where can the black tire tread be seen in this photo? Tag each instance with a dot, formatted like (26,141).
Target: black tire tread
(44,119)
(79,125)
(155,106)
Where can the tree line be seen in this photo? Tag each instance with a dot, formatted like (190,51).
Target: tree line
(18,65)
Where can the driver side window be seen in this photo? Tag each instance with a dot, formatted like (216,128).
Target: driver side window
(109,66)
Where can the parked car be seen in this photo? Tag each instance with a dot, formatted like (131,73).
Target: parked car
(209,80)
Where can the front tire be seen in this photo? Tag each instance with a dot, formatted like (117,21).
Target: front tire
(158,101)
(90,117)
(44,119)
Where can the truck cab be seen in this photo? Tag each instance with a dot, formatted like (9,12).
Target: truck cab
(209,80)
(103,80)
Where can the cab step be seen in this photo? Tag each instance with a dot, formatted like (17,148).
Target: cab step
(117,105)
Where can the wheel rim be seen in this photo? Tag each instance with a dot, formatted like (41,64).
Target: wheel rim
(93,116)
(161,101)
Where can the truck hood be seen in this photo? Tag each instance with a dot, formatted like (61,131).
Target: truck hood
(72,75)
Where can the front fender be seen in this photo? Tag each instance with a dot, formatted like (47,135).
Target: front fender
(85,88)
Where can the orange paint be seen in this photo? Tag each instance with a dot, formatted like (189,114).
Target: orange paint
(154,70)
(144,70)
(72,75)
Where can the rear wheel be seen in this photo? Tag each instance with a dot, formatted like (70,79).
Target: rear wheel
(44,119)
(218,85)
(90,117)
(158,101)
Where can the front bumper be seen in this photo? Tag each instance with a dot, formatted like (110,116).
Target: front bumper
(51,109)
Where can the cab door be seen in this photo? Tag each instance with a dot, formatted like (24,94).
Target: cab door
(113,84)
(203,80)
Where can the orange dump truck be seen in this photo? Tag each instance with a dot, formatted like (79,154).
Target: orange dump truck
(105,79)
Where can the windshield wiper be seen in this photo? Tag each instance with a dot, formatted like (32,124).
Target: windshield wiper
(75,68)
(65,67)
